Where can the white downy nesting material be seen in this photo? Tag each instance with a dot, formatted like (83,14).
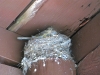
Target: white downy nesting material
(45,45)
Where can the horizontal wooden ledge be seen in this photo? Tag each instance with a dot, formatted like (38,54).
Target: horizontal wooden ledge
(11,49)
(90,65)
(8,70)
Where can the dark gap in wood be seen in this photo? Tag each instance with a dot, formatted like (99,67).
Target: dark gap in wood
(80,29)
(95,13)
(82,5)
(88,53)
(16,66)
(86,23)
(25,9)
(89,5)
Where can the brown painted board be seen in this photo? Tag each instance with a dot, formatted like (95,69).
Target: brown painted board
(86,39)
(90,65)
(64,67)
(8,70)
(64,15)
(10,9)
(10,48)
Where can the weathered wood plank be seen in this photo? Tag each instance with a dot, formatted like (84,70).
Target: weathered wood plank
(10,9)
(8,70)
(64,15)
(11,49)
(86,39)
(90,65)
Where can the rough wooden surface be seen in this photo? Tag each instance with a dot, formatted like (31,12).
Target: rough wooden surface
(27,15)
(86,39)
(65,67)
(8,70)
(90,65)
(10,9)
(64,15)
(10,47)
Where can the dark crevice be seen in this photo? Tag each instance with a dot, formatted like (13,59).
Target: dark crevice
(24,10)
(80,27)
(95,14)
(89,5)
(88,54)
(83,22)
(82,5)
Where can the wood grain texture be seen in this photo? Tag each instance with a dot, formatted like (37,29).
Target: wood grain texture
(65,67)
(86,39)
(90,65)
(10,9)
(10,48)
(64,15)
(27,15)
